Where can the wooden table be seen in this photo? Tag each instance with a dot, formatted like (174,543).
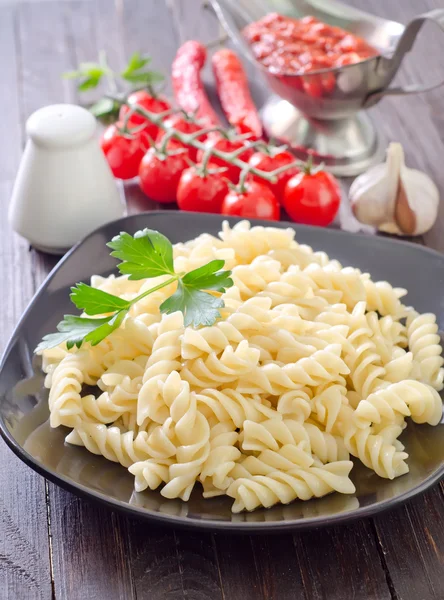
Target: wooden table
(55,545)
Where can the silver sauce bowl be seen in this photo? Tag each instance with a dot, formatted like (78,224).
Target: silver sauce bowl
(322,113)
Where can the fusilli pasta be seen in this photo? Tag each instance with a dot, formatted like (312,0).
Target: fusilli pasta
(310,363)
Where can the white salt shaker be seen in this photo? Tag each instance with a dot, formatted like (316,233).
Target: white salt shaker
(64,187)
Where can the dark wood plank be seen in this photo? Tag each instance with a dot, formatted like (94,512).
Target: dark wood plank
(98,552)
(84,550)
(173,564)
(342,563)
(91,558)
(10,149)
(148,28)
(181,564)
(24,543)
(198,565)
(413,534)
(25,570)
(278,566)
(238,568)
(109,33)
(412,543)
(194,20)
(154,561)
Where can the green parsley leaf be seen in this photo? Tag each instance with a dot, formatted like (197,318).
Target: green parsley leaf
(136,72)
(136,61)
(90,75)
(147,254)
(96,302)
(71,330)
(105,107)
(100,333)
(198,308)
(76,330)
(209,277)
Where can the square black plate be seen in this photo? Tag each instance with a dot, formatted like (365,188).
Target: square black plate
(23,401)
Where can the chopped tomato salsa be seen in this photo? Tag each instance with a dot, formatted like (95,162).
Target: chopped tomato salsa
(289,46)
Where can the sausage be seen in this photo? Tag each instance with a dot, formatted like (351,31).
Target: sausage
(234,94)
(188,88)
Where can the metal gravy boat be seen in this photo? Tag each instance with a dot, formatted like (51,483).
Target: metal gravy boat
(330,119)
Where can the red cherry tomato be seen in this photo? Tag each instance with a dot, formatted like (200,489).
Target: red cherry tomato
(312,198)
(256,202)
(145,100)
(267,162)
(201,193)
(124,152)
(160,174)
(224,145)
(179,123)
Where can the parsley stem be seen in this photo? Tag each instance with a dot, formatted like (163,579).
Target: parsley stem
(154,289)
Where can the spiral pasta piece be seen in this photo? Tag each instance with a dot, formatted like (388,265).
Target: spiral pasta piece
(67,379)
(232,406)
(249,242)
(346,281)
(424,343)
(323,366)
(222,457)
(255,277)
(284,487)
(384,298)
(364,362)
(295,404)
(375,453)
(217,370)
(274,433)
(120,447)
(327,404)
(408,398)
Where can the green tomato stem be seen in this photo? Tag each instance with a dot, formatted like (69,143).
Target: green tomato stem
(190,140)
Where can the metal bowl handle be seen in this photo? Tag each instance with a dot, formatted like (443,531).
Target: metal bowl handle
(404,46)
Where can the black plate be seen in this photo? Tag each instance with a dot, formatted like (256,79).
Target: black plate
(23,401)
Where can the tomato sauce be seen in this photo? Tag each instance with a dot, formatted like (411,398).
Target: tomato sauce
(289,46)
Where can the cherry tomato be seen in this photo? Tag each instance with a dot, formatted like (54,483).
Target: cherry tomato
(268,162)
(201,192)
(256,202)
(124,152)
(224,145)
(181,124)
(145,100)
(312,198)
(160,174)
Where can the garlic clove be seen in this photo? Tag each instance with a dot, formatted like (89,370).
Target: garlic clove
(394,198)
(368,197)
(417,202)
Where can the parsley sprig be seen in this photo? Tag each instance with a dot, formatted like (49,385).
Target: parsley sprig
(137,74)
(146,254)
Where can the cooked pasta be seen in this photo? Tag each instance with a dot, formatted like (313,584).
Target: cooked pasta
(309,364)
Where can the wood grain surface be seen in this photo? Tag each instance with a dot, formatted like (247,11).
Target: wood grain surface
(55,545)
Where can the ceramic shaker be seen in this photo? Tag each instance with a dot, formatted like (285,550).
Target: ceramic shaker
(64,187)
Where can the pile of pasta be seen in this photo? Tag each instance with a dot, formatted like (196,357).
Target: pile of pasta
(310,364)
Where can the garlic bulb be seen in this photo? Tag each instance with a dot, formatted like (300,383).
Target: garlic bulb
(394,198)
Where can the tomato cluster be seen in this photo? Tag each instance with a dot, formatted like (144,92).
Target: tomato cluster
(171,171)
